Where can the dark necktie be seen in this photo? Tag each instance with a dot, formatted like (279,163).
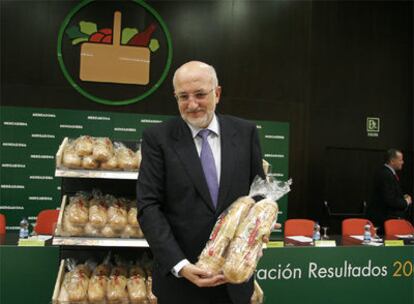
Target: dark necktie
(209,166)
(397,177)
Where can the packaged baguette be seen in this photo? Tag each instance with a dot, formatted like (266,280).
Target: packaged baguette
(213,255)
(98,282)
(117,284)
(245,248)
(137,290)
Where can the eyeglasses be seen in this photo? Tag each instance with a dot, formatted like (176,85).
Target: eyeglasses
(198,96)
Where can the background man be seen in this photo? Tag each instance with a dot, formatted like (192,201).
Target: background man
(193,167)
(388,200)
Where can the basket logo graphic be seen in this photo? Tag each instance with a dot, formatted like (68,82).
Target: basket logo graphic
(114,63)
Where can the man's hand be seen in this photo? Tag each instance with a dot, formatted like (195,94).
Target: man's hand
(408,199)
(201,277)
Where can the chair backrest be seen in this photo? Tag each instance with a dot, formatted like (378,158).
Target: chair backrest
(356,226)
(398,226)
(299,227)
(46,221)
(2,224)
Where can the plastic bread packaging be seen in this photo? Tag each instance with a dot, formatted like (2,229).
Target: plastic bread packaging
(75,284)
(70,158)
(84,145)
(257,297)
(98,210)
(213,255)
(103,149)
(78,209)
(137,289)
(245,248)
(117,284)
(126,158)
(98,282)
(117,215)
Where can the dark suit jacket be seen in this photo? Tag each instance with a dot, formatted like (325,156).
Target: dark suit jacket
(174,205)
(387,199)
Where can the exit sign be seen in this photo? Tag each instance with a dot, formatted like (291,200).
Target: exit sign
(373,126)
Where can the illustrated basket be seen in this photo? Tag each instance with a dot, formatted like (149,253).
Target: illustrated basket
(114,63)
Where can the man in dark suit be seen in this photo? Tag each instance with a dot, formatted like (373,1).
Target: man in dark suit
(388,200)
(186,180)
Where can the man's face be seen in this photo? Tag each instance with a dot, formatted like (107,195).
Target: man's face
(397,162)
(196,96)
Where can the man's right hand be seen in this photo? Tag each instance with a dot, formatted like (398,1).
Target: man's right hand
(201,277)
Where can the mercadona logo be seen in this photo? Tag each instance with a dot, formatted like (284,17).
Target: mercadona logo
(114,52)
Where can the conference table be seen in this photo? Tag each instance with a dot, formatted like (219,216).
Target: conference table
(289,272)
(350,272)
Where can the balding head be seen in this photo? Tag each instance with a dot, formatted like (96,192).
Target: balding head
(193,69)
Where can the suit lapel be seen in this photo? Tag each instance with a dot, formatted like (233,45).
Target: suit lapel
(187,153)
(228,160)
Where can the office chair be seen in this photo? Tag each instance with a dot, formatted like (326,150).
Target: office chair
(355,226)
(46,221)
(299,227)
(398,226)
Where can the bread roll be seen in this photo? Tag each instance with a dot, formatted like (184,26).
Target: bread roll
(117,216)
(213,255)
(89,162)
(137,290)
(78,211)
(70,159)
(90,230)
(103,149)
(97,212)
(117,286)
(84,145)
(97,289)
(108,232)
(110,164)
(244,249)
(132,216)
(127,159)
(69,229)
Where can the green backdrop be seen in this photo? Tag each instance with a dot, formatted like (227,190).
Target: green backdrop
(30,138)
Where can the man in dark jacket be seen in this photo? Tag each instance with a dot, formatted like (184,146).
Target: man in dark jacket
(388,200)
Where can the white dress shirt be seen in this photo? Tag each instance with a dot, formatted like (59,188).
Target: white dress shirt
(215,145)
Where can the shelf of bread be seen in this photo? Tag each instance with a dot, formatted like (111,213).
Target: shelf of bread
(109,281)
(96,157)
(98,220)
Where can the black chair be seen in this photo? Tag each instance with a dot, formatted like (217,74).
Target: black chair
(334,219)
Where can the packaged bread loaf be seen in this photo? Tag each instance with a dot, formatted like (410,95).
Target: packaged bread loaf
(110,164)
(103,149)
(97,289)
(243,252)
(89,162)
(257,297)
(70,158)
(127,159)
(84,145)
(213,255)
(78,210)
(117,215)
(97,210)
(137,290)
(152,299)
(117,286)
(77,287)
